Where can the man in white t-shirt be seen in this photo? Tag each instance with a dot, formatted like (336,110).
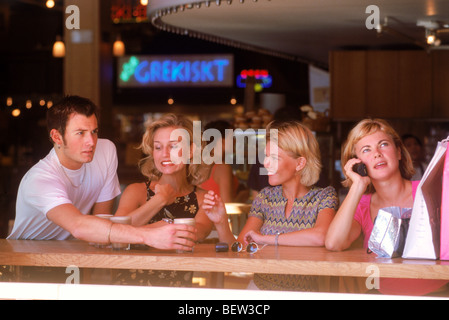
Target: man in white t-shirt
(79,177)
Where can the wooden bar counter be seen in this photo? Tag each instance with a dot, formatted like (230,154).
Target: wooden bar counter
(276,260)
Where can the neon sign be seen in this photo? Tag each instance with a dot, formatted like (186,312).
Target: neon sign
(262,77)
(176,71)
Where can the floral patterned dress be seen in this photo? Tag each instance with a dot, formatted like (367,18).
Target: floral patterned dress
(183,207)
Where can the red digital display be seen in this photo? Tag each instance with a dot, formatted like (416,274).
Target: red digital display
(262,77)
(125,11)
(254,73)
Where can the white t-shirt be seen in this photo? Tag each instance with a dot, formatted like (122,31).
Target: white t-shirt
(46,186)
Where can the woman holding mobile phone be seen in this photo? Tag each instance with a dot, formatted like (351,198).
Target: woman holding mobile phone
(389,169)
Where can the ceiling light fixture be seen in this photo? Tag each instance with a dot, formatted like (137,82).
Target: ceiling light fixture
(385,28)
(50,4)
(432,28)
(58,48)
(16,112)
(430,37)
(118,48)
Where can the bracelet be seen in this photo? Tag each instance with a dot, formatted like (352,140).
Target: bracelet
(276,239)
(109,233)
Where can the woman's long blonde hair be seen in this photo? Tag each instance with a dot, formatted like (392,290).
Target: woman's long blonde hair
(368,127)
(196,173)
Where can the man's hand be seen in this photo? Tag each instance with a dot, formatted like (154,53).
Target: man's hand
(170,237)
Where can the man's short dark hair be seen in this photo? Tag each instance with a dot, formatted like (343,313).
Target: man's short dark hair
(58,115)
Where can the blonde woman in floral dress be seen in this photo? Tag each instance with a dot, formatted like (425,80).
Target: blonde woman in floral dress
(170,192)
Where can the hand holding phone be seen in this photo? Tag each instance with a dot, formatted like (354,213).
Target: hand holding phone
(360,168)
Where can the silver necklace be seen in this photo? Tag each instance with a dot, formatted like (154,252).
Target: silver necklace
(67,176)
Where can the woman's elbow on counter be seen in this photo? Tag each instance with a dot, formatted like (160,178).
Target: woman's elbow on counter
(333,245)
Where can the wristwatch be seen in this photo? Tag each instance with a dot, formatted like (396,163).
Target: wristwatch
(276,238)
(169,221)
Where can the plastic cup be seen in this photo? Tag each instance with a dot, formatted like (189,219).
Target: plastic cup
(121,220)
(102,216)
(187,221)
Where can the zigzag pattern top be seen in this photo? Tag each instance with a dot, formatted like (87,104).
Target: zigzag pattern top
(269,206)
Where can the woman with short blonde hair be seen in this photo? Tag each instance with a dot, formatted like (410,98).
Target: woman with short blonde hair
(287,137)
(292,211)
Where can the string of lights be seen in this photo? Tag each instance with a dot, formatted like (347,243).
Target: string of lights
(15,106)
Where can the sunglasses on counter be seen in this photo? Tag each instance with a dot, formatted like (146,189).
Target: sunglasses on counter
(251,248)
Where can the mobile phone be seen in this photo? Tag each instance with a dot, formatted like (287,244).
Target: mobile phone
(360,168)
(221,247)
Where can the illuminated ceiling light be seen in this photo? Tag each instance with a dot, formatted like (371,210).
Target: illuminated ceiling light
(233,101)
(9,101)
(50,4)
(29,104)
(144,2)
(42,102)
(118,49)
(170,101)
(49,104)
(15,113)
(59,48)
(431,27)
(430,36)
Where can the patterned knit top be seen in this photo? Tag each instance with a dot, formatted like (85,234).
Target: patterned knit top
(269,206)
